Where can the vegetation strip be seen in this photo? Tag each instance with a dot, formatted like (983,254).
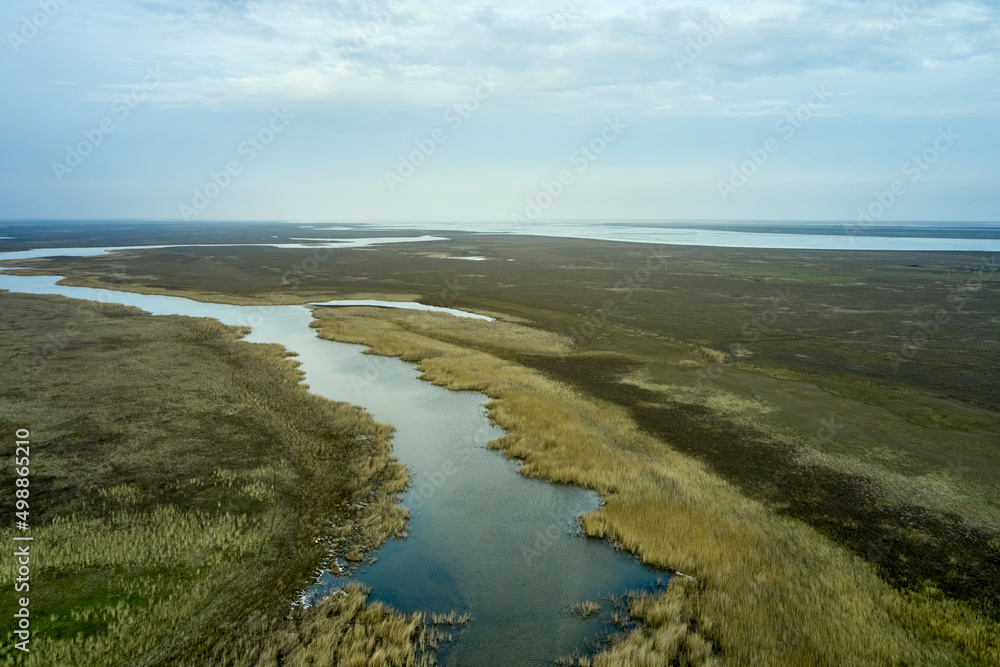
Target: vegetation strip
(765,588)
(202,487)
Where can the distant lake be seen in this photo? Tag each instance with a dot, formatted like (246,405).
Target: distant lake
(919,236)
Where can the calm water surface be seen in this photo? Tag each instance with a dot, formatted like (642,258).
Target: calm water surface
(800,235)
(482,538)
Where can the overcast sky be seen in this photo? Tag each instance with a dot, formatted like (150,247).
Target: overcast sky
(432,110)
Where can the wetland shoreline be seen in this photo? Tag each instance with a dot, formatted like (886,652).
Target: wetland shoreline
(172,500)
(897,431)
(440,423)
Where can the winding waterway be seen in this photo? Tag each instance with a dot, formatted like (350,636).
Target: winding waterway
(483,539)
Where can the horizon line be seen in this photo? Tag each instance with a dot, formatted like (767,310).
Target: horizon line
(502,222)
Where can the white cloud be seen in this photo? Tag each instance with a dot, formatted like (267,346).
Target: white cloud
(604,57)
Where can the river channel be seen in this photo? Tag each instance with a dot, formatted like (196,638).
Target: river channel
(482,538)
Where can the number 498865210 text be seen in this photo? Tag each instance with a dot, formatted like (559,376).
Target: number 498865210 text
(22,542)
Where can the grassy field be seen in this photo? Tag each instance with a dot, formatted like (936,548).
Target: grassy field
(184,487)
(811,435)
(766,588)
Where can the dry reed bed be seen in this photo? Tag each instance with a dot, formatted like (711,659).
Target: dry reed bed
(183,487)
(766,589)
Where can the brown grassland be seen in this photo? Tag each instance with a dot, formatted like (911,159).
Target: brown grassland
(176,516)
(768,589)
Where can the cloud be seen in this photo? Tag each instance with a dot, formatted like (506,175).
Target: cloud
(660,58)
(699,83)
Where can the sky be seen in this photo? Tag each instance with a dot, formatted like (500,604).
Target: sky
(424,110)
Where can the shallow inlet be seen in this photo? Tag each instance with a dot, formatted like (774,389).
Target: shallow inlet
(483,539)
(311,244)
(408,305)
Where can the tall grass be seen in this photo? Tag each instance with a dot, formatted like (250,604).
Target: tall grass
(766,589)
(184,487)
